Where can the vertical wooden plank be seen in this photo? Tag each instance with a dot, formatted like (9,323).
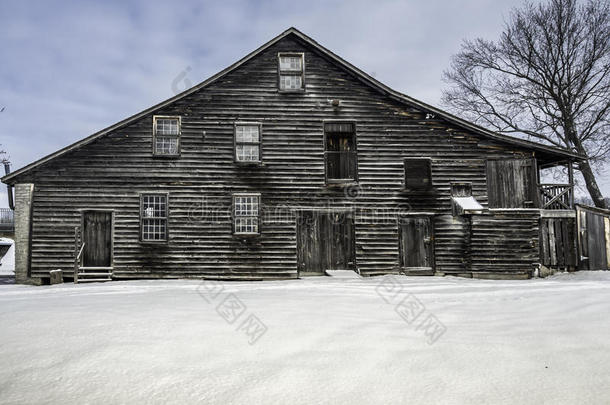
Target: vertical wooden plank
(544,242)
(560,242)
(607,238)
(552,246)
(571,251)
(76,250)
(571,180)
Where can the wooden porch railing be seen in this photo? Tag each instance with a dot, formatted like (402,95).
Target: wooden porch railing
(556,196)
(78,252)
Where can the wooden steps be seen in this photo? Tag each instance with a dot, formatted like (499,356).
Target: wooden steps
(94,274)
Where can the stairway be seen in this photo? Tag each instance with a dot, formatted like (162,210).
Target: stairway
(93,274)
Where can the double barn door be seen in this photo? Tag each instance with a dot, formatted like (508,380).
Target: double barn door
(325,241)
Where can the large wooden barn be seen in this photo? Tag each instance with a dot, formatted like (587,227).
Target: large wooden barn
(288,163)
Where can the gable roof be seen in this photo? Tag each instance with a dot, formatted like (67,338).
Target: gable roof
(554,153)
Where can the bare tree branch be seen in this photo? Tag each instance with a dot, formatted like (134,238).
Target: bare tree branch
(546,78)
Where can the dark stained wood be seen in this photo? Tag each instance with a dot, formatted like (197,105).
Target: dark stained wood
(505,242)
(593,238)
(596,241)
(416,241)
(558,242)
(97,237)
(111,172)
(511,183)
(325,241)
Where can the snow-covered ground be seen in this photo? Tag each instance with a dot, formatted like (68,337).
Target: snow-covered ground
(320,340)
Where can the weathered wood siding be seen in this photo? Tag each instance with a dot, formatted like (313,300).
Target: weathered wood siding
(511,183)
(111,172)
(505,242)
(558,243)
(593,238)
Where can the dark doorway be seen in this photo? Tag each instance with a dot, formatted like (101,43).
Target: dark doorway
(325,241)
(340,152)
(416,245)
(97,237)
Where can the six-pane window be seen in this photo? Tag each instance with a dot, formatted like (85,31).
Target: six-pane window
(166,136)
(291,72)
(246,213)
(153,217)
(247,143)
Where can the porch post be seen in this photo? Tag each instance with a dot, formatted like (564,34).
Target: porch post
(571,181)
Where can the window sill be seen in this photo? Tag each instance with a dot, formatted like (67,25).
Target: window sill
(162,156)
(423,190)
(250,163)
(154,242)
(291,91)
(341,183)
(246,235)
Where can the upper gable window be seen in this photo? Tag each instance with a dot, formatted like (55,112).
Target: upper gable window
(340,156)
(166,136)
(248,142)
(418,173)
(291,71)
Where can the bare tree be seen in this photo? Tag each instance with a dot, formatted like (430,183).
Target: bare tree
(2,151)
(547,78)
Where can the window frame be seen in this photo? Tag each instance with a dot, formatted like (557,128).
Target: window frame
(166,218)
(340,182)
(406,186)
(234,216)
(259,143)
(281,72)
(178,136)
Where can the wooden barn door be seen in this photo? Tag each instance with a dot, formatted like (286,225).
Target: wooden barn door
(325,241)
(97,237)
(511,183)
(416,245)
(340,241)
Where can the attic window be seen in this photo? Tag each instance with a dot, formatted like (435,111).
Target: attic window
(248,142)
(166,136)
(418,174)
(291,72)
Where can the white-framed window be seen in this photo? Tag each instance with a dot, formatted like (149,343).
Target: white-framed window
(166,136)
(247,142)
(153,217)
(291,71)
(246,213)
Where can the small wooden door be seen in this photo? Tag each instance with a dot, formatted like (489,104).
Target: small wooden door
(340,239)
(416,244)
(511,183)
(325,241)
(97,237)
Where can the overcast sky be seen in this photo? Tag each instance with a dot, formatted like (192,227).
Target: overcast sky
(69,69)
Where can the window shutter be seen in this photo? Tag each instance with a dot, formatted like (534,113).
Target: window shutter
(418,174)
